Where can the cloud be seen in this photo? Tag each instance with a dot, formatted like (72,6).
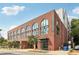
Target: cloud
(76,10)
(14,10)
(5,30)
(72,17)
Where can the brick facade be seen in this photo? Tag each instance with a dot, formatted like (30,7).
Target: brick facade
(54,40)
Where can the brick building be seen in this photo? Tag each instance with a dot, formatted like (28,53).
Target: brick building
(51,29)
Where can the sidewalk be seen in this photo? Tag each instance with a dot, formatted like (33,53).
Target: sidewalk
(33,52)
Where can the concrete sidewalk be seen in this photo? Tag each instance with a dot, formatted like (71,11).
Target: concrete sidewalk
(33,52)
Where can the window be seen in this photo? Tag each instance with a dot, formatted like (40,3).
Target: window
(22,33)
(35,29)
(22,30)
(63,15)
(14,32)
(11,35)
(18,31)
(57,28)
(27,29)
(53,23)
(44,26)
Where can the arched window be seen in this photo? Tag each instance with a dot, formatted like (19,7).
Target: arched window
(44,26)
(19,33)
(27,29)
(35,29)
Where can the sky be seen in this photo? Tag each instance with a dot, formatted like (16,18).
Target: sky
(15,14)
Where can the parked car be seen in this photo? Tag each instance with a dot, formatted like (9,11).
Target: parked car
(77,47)
(65,47)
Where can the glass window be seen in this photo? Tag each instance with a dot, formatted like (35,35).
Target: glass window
(57,27)
(11,33)
(27,29)
(35,29)
(52,23)
(44,26)
(22,35)
(15,33)
(18,31)
(22,30)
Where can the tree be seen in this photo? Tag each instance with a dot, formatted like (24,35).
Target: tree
(33,41)
(3,42)
(16,44)
(10,44)
(75,30)
(13,44)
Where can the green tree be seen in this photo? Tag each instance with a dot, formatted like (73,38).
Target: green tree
(33,41)
(10,44)
(16,44)
(75,30)
(13,44)
(3,42)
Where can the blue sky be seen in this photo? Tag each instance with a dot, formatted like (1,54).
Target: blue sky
(12,15)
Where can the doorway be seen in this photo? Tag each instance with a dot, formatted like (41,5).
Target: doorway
(44,44)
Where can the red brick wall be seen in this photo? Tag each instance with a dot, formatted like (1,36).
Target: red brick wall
(62,36)
(54,41)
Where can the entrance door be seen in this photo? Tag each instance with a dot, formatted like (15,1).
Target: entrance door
(44,44)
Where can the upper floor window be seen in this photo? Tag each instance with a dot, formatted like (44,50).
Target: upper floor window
(28,28)
(44,26)
(57,28)
(14,32)
(35,29)
(22,30)
(9,34)
(18,31)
